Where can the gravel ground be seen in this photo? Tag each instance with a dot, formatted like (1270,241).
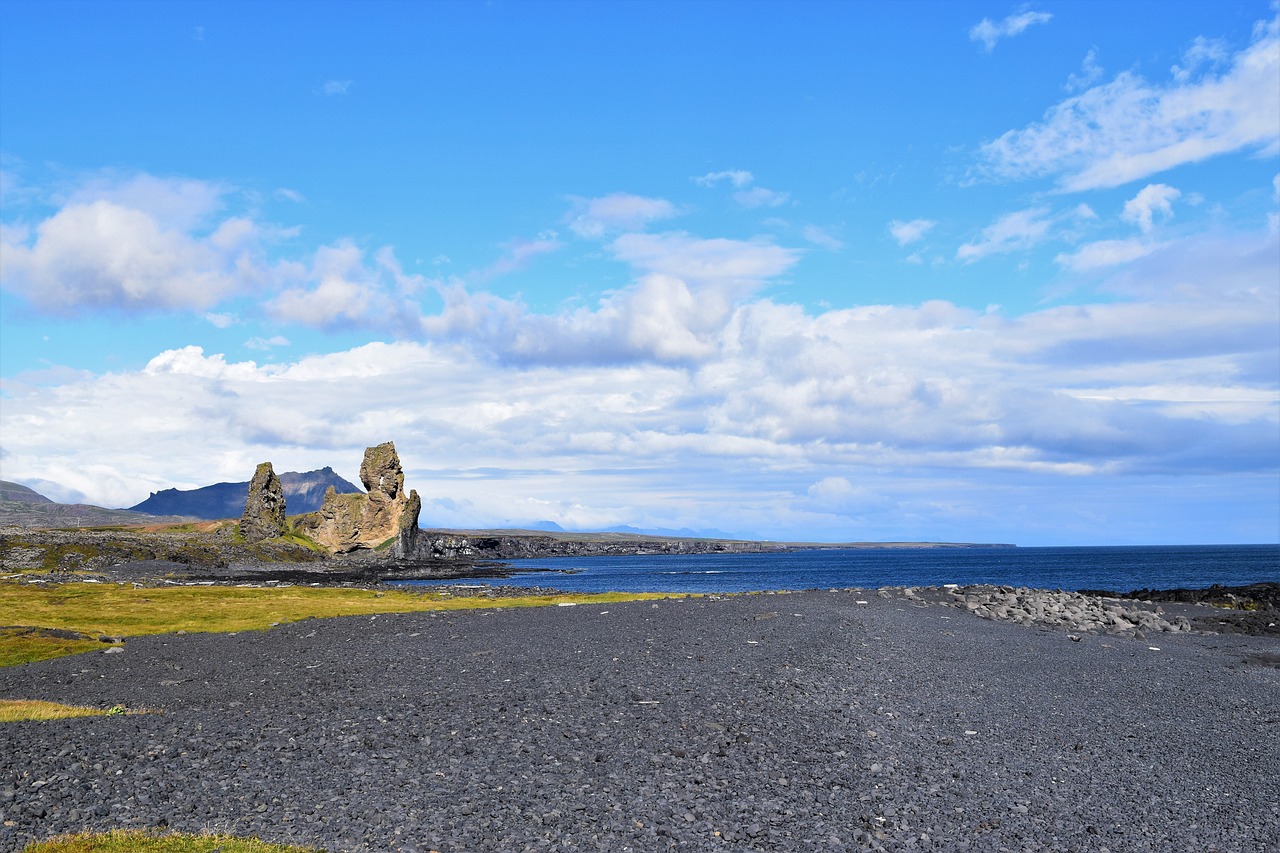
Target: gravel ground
(837,720)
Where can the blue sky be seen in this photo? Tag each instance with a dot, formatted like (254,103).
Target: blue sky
(831,271)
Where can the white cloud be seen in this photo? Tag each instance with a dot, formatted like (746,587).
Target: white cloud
(267,343)
(760,197)
(336,87)
(341,289)
(685,291)
(823,237)
(747,196)
(517,255)
(736,177)
(1151,199)
(910,232)
(220,321)
(1012,232)
(1129,129)
(1106,253)
(989,32)
(595,217)
(103,255)
(706,260)
(1203,52)
(778,402)
(1090,73)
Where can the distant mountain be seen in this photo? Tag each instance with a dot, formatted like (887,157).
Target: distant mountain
(26,507)
(302,493)
(682,533)
(21,494)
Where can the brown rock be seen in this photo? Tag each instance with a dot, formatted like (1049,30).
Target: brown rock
(264,509)
(384,517)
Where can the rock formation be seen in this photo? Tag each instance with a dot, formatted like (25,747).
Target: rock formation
(263,516)
(386,516)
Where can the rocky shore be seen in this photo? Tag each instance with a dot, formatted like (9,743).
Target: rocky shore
(823,720)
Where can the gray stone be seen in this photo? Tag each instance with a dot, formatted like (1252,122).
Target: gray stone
(264,509)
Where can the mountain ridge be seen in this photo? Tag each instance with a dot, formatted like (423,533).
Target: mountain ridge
(303,492)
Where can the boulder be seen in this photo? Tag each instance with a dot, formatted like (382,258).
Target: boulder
(386,516)
(264,509)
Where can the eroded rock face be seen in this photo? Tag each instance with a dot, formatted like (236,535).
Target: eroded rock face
(347,523)
(264,509)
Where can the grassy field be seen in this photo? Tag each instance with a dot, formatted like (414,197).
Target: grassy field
(134,841)
(123,610)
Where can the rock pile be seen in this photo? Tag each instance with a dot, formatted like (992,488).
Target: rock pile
(264,510)
(1070,610)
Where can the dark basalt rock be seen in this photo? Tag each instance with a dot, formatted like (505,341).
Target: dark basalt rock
(264,509)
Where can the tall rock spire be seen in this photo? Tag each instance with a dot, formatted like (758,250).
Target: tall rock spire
(264,509)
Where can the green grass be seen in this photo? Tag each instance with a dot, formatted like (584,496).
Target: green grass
(18,645)
(137,841)
(16,710)
(120,610)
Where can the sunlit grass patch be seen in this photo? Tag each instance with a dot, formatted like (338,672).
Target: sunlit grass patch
(17,710)
(136,841)
(20,645)
(120,610)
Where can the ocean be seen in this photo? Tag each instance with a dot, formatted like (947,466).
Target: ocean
(1112,568)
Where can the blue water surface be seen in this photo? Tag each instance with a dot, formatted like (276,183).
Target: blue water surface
(1112,568)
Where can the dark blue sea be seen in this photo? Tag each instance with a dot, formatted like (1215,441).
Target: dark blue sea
(1119,569)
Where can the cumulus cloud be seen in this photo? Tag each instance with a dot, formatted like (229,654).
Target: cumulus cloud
(684,292)
(136,244)
(342,289)
(103,255)
(1179,380)
(1129,128)
(911,231)
(593,218)
(989,32)
(1151,199)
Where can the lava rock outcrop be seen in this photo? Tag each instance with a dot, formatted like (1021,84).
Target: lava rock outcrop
(264,509)
(385,517)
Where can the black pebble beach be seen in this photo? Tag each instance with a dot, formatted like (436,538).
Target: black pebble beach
(769,722)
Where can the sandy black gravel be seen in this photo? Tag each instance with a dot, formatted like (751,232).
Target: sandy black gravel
(804,721)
